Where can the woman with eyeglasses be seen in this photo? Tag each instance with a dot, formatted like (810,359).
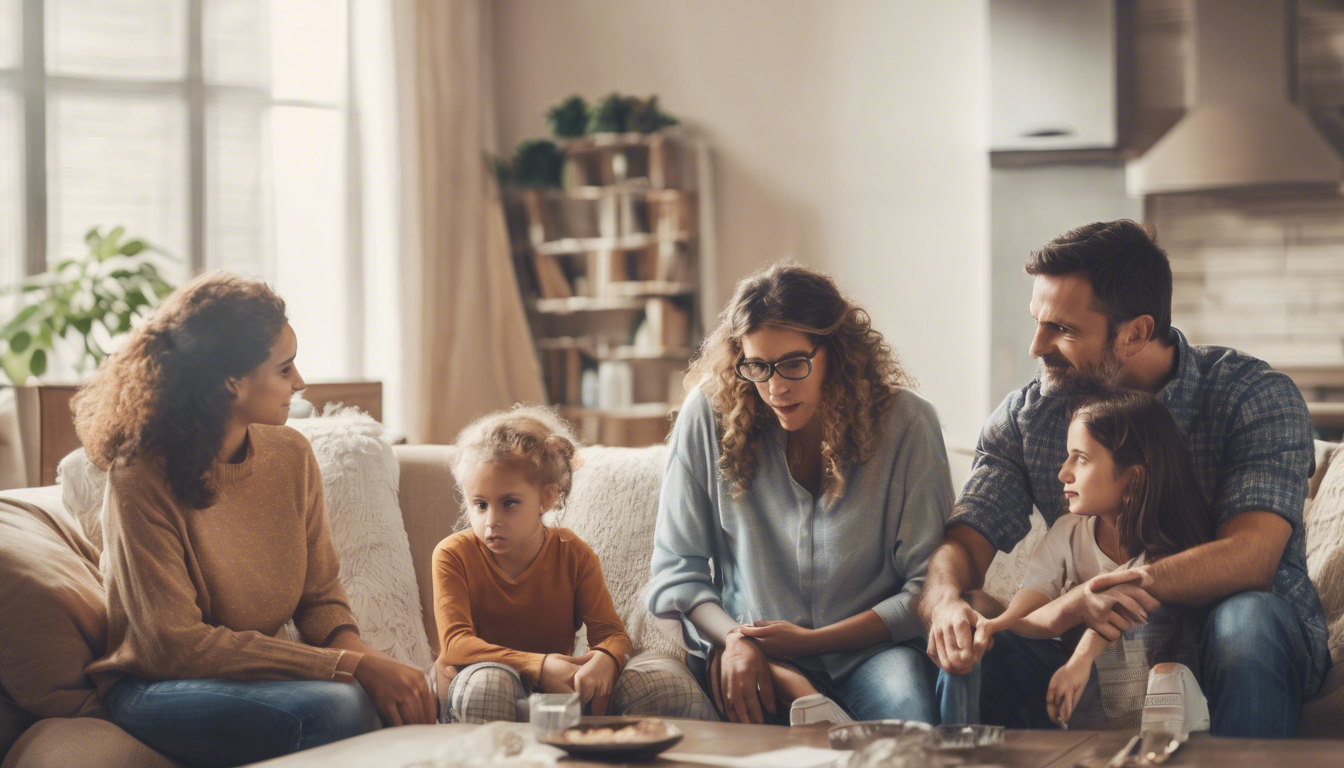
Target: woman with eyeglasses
(806,490)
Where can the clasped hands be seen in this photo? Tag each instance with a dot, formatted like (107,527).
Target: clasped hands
(1111,603)
(591,675)
(742,673)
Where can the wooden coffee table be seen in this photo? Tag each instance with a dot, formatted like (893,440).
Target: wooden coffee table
(414,744)
(1020,749)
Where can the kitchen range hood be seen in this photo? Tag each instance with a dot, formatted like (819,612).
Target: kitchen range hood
(1242,130)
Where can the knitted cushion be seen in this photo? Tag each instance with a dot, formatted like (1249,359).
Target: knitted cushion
(614,508)
(1324,517)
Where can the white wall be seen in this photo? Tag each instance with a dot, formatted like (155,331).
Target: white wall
(1029,207)
(849,134)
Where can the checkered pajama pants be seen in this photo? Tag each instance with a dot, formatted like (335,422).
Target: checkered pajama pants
(651,684)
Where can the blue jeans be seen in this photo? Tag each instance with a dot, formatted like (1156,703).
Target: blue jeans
(900,683)
(903,683)
(220,723)
(1253,662)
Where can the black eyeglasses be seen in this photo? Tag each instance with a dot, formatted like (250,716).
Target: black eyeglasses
(793,368)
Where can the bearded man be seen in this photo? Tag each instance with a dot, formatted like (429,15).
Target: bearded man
(1102,306)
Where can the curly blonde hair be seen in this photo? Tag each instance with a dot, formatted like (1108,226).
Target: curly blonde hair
(532,437)
(862,373)
(162,397)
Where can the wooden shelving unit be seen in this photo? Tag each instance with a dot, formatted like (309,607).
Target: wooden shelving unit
(609,269)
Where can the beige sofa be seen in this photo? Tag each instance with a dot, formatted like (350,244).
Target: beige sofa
(613,507)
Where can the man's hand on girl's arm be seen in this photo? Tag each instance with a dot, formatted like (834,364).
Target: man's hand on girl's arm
(1109,604)
(1244,557)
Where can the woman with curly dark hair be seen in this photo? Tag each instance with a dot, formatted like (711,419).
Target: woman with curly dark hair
(216,535)
(806,489)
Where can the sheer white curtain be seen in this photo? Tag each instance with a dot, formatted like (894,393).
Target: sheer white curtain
(469,349)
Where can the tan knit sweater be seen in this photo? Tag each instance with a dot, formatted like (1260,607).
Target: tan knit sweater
(202,593)
(485,615)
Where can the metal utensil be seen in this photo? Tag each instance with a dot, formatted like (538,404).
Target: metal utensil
(1119,759)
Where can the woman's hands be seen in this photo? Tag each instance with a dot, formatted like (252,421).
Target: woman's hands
(399,691)
(591,675)
(782,639)
(1065,687)
(740,679)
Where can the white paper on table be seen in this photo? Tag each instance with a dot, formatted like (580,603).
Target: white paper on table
(790,757)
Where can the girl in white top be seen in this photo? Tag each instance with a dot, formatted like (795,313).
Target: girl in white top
(1129,483)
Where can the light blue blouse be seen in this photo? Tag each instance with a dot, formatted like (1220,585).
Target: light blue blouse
(778,553)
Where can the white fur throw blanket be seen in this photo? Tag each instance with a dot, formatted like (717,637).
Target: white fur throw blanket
(360,481)
(614,508)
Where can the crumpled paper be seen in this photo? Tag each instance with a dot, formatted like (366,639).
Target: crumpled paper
(504,745)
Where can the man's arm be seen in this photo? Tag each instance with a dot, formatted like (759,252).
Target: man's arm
(958,566)
(1262,483)
(1244,557)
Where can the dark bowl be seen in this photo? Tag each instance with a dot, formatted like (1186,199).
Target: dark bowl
(625,752)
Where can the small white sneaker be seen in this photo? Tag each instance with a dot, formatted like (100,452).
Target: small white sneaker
(1174,703)
(817,708)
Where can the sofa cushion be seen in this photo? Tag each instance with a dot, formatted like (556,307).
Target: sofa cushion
(82,487)
(1324,519)
(51,596)
(359,478)
(13,722)
(614,508)
(430,511)
(85,741)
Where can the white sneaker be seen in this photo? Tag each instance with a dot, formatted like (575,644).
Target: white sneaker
(1174,703)
(817,708)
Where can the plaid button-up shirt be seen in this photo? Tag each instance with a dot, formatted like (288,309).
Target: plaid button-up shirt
(1249,434)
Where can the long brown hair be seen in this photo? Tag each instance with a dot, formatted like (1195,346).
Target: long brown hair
(162,397)
(1162,510)
(862,373)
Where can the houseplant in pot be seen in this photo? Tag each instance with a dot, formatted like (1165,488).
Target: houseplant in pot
(76,309)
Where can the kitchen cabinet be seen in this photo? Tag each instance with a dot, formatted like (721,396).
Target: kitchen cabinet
(1053,75)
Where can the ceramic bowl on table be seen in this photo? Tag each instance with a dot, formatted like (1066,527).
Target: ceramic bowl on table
(615,739)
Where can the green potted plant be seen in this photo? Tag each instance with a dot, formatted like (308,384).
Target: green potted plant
(537,163)
(78,307)
(609,115)
(644,116)
(569,118)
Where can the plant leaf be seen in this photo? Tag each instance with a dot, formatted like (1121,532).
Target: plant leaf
(15,367)
(19,320)
(38,362)
(20,341)
(133,247)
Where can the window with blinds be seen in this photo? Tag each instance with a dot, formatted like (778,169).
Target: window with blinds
(215,129)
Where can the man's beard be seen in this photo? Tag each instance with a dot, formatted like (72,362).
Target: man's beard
(1059,377)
